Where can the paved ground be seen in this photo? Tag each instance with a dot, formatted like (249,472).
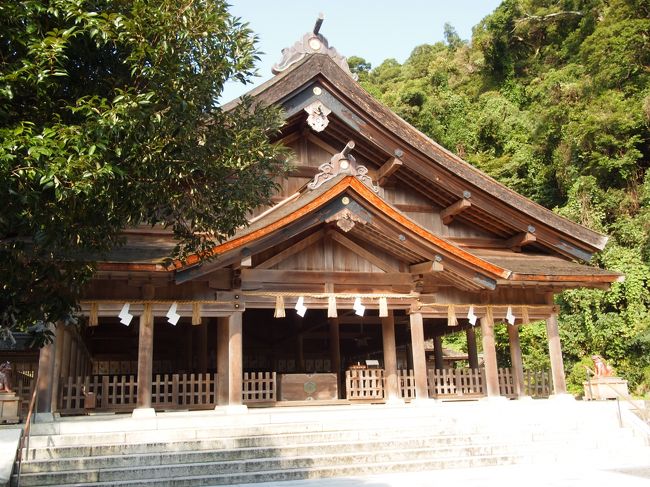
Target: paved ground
(501,476)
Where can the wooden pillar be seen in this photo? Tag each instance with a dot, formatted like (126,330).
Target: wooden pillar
(203,347)
(45,379)
(335,352)
(490,355)
(515,358)
(300,352)
(419,358)
(80,357)
(335,345)
(189,349)
(74,357)
(229,360)
(65,354)
(437,353)
(555,353)
(56,374)
(145,358)
(472,350)
(392,392)
(223,360)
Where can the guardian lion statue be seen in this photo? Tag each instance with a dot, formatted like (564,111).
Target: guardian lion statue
(601,369)
(5,377)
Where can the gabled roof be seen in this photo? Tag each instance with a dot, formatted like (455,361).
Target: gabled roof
(380,225)
(375,222)
(427,163)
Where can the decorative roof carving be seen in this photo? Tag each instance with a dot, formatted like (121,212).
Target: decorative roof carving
(317,118)
(343,163)
(346,220)
(311,43)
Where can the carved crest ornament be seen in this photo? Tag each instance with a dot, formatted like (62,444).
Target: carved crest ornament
(318,113)
(342,163)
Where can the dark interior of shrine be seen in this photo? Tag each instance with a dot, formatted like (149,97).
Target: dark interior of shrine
(290,344)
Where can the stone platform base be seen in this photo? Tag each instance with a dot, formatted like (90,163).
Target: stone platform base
(600,388)
(9,402)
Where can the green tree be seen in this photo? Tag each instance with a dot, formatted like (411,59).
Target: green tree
(110,117)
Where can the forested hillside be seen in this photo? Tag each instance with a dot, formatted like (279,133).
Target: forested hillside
(552,98)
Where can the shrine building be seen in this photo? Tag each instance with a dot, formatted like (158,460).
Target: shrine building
(379,243)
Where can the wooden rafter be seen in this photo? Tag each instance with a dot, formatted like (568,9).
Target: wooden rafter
(426,267)
(294,249)
(455,209)
(363,253)
(520,240)
(387,170)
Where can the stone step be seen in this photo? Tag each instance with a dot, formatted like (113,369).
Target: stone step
(172,431)
(216,463)
(121,457)
(220,466)
(154,442)
(316,471)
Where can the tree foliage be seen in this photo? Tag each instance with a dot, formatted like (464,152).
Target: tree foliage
(110,117)
(552,98)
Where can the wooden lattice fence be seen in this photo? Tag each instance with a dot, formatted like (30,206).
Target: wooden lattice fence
(364,384)
(259,387)
(406,380)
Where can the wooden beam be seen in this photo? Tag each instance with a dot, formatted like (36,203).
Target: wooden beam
(363,253)
(322,144)
(294,249)
(220,279)
(303,171)
(387,170)
(520,240)
(413,208)
(316,277)
(453,210)
(426,267)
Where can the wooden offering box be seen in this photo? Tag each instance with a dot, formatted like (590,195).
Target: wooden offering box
(306,387)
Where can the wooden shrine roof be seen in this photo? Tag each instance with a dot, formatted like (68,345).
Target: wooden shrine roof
(425,159)
(436,173)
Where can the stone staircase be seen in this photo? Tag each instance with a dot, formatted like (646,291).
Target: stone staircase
(215,448)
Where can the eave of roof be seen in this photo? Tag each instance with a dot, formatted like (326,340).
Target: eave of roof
(312,200)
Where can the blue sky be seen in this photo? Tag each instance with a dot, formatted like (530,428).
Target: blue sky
(374,30)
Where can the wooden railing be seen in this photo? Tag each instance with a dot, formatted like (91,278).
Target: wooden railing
(111,393)
(456,382)
(259,387)
(538,383)
(406,380)
(119,393)
(507,386)
(184,391)
(24,382)
(199,391)
(364,384)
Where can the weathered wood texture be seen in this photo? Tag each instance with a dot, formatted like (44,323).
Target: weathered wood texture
(307,387)
(390,357)
(555,352)
(192,391)
(259,387)
(406,384)
(364,384)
